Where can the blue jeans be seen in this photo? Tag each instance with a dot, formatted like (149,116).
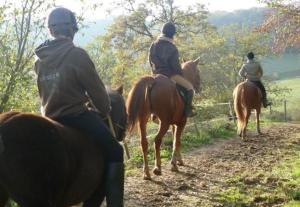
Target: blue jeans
(92,124)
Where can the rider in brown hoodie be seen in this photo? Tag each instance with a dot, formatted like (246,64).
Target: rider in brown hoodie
(67,80)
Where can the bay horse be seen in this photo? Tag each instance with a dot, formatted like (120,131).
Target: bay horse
(247,96)
(46,164)
(157,95)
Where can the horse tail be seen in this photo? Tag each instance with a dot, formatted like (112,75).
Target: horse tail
(138,101)
(238,107)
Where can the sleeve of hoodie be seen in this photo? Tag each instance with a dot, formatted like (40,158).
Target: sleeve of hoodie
(90,80)
(174,61)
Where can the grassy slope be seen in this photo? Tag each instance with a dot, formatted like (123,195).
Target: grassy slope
(294,84)
(293,98)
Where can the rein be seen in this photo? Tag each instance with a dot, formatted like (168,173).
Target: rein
(112,129)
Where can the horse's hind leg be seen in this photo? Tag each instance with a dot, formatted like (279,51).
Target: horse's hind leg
(163,128)
(257,121)
(176,155)
(144,144)
(247,115)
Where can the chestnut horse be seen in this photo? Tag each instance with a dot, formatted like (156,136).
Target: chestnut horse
(45,164)
(158,95)
(246,96)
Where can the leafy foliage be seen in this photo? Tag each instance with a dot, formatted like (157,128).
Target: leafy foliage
(284,23)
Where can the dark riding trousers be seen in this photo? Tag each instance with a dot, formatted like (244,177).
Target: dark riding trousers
(91,123)
(261,87)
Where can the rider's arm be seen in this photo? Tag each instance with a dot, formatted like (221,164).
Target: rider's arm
(91,82)
(260,71)
(174,62)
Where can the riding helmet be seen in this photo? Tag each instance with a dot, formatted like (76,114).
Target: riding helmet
(62,18)
(250,55)
(168,29)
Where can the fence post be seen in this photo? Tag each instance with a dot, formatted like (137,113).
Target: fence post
(285,115)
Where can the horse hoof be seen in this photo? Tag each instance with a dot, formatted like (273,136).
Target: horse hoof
(174,168)
(180,163)
(157,171)
(146,177)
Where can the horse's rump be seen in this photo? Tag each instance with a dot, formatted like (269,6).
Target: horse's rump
(247,96)
(43,160)
(155,94)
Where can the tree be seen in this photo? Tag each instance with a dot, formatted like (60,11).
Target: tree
(19,31)
(130,35)
(284,23)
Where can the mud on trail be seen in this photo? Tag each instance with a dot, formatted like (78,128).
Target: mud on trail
(218,168)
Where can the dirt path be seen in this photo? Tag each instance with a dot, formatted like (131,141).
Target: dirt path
(208,171)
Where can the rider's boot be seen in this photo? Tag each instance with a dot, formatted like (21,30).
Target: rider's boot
(189,101)
(114,185)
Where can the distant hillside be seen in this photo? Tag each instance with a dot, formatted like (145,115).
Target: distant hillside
(92,30)
(283,66)
(251,17)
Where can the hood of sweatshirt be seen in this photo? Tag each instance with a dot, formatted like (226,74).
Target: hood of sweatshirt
(53,52)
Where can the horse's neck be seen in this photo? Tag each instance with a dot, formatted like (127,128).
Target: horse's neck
(187,75)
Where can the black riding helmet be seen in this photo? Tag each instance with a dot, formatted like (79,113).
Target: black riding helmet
(168,29)
(250,55)
(62,21)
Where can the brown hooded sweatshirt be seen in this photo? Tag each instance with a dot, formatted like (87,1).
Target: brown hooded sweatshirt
(66,78)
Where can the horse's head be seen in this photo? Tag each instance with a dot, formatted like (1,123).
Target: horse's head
(192,73)
(118,112)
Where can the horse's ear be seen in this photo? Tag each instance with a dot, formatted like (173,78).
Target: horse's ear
(184,60)
(120,89)
(197,60)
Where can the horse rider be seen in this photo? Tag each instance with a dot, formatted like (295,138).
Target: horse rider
(164,59)
(252,71)
(67,80)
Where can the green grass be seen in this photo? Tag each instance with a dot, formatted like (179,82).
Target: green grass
(287,190)
(292,97)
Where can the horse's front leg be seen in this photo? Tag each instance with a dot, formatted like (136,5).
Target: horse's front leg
(176,154)
(163,128)
(144,146)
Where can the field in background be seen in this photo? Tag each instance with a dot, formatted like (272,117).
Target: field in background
(292,100)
